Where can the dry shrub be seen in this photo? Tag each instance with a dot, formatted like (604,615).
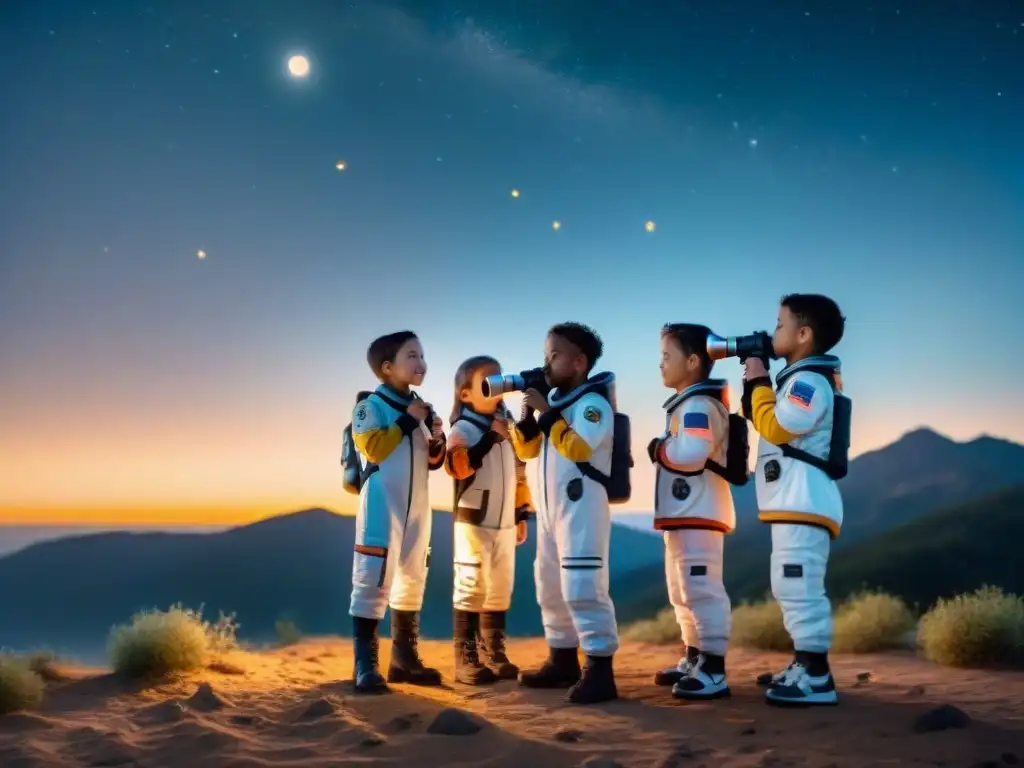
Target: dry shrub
(981,629)
(871,622)
(157,643)
(20,687)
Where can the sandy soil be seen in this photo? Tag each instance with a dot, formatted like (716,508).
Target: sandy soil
(295,707)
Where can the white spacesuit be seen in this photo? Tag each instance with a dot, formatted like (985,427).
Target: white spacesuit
(573,528)
(805,508)
(392,547)
(490,498)
(694,508)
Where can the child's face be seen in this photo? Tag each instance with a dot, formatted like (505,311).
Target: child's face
(790,338)
(564,364)
(409,366)
(678,370)
(474,397)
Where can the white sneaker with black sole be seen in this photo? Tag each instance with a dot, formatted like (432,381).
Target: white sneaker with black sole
(701,684)
(798,689)
(672,675)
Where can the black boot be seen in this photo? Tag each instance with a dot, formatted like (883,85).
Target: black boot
(561,670)
(366,670)
(597,683)
(406,665)
(492,630)
(468,669)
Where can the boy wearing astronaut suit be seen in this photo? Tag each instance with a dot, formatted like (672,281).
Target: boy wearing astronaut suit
(693,506)
(573,515)
(392,547)
(491,505)
(799,500)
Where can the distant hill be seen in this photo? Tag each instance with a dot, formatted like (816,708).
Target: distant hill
(918,474)
(296,566)
(954,550)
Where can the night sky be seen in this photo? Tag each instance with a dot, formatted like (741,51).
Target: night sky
(872,153)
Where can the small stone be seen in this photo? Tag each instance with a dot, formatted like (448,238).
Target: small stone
(403,722)
(915,690)
(454,722)
(205,699)
(941,719)
(225,668)
(568,735)
(864,677)
(748,731)
(317,709)
(371,741)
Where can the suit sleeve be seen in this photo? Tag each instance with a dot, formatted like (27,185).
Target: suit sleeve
(524,501)
(592,424)
(374,438)
(797,408)
(526,438)
(692,438)
(467,458)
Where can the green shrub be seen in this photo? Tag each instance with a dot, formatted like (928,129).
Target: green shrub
(157,643)
(871,622)
(20,687)
(981,629)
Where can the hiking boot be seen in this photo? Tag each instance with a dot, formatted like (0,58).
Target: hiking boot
(596,684)
(366,668)
(492,632)
(406,665)
(560,670)
(468,669)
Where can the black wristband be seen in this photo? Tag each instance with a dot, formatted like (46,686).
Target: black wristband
(528,428)
(547,420)
(407,423)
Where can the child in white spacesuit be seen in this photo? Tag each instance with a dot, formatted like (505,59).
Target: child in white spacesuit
(491,505)
(392,547)
(572,439)
(804,424)
(693,506)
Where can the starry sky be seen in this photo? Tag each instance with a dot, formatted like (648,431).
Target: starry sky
(870,152)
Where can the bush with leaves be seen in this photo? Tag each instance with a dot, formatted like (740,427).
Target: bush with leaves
(157,643)
(981,629)
(21,688)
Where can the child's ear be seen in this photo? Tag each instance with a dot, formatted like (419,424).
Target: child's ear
(464,396)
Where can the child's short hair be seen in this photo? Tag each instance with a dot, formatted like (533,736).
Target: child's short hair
(819,313)
(384,349)
(692,340)
(584,338)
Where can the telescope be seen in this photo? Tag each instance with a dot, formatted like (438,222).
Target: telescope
(503,383)
(757,344)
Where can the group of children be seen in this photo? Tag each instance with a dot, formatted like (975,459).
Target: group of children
(576,444)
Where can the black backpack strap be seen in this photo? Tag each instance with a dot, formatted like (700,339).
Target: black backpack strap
(809,458)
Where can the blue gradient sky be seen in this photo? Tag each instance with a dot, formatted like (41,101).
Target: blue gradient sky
(873,155)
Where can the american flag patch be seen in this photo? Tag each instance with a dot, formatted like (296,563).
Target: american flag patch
(801,394)
(697,424)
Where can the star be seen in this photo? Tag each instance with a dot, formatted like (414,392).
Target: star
(649,225)
(200,254)
(298,66)
(753,143)
(340,165)
(556,225)
(515,193)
